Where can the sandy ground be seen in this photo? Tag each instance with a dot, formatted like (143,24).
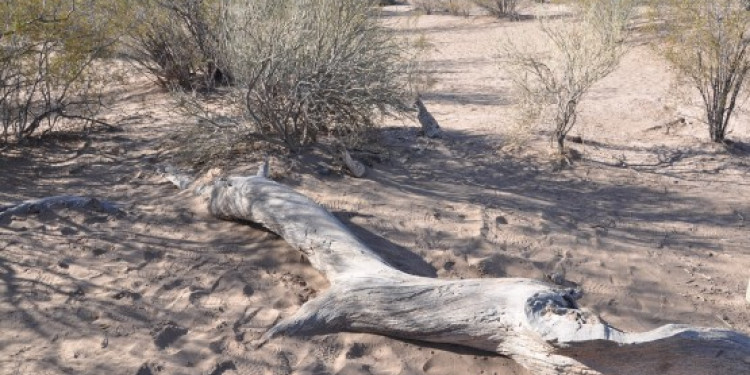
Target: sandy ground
(651,225)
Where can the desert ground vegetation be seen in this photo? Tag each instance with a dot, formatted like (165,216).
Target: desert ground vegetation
(707,41)
(455,7)
(180,42)
(309,68)
(48,50)
(552,77)
(499,8)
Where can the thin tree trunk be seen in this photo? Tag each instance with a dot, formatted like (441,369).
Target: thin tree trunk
(560,143)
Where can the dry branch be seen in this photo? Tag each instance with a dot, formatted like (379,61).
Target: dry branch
(51,203)
(356,168)
(537,324)
(430,126)
(668,126)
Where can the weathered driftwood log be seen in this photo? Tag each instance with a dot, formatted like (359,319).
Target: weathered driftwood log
(537,324)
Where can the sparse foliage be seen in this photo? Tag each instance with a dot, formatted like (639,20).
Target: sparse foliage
(47,52)
(707,40)
(180,42)
(311,67)
(551,83)
(499,8)
(455,7)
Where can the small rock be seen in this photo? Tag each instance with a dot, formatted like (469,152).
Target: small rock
(501,220)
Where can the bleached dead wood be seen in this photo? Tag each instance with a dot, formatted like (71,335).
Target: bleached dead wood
(356,168)
(430,126)
(52,203)
(537,324)
(668,126)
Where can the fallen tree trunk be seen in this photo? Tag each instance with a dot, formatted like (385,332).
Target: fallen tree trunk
(537,324)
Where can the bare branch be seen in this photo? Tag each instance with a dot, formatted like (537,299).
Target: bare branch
(578,55)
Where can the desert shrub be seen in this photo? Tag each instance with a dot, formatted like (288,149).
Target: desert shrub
(454,7)
(47,52)
(499,8)
(179,41)
(551,83)
(707,41)
(307,68)
(459,7)
(427,6)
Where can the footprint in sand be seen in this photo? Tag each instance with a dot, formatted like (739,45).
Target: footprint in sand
(149,369)
(150,255)
(205,299)
(168,334)
(222,368)
(357,350)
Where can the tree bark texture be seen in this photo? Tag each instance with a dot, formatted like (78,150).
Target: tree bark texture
(537,324)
